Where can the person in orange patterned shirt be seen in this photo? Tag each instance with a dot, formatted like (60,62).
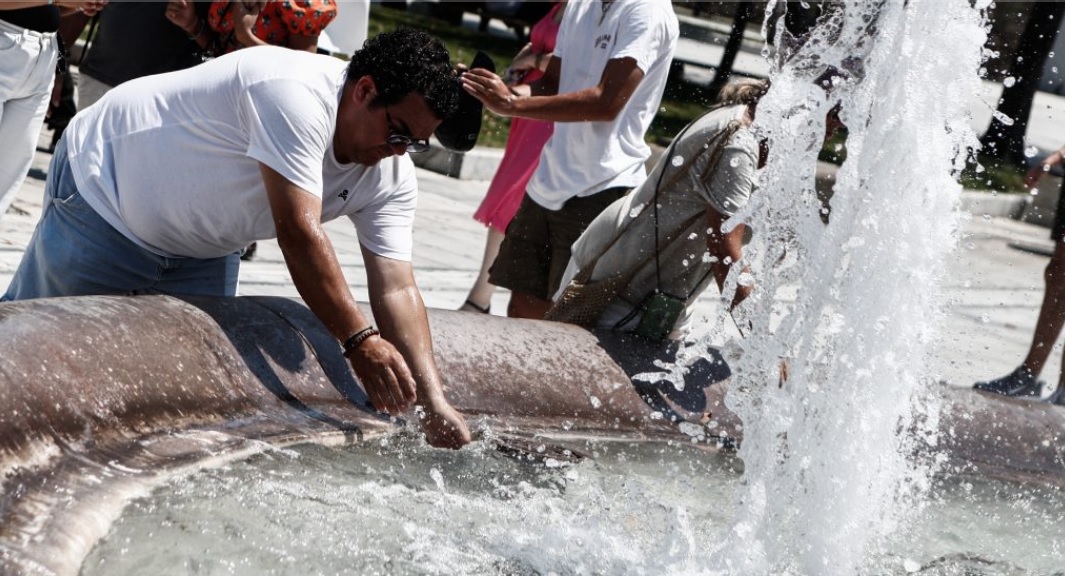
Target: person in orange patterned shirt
(231,25)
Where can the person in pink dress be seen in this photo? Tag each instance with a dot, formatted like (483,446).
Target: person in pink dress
(520,158)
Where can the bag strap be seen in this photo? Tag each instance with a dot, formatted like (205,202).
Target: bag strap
(585,273)
(716,151)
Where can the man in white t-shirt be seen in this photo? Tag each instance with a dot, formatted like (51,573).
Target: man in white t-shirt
(157,188)
(602,88)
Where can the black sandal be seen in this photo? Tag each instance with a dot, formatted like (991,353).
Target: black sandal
(482,310)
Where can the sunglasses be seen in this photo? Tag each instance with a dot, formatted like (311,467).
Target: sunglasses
(397,138)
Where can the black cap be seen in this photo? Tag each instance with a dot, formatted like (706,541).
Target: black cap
(459,133)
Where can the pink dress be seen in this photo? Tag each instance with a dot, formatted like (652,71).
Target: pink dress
(524,143)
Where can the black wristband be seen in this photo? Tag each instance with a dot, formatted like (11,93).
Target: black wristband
(356,339)
(198,32)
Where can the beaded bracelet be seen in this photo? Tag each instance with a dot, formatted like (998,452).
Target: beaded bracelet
(355,340)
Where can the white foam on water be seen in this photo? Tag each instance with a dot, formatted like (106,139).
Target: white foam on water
(830,470)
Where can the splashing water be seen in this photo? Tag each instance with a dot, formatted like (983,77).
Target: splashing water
(829,459)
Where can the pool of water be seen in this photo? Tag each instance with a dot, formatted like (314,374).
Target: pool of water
(395,506)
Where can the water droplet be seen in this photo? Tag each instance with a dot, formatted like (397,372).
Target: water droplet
(985,319)
(1009,81)
(692,430)
(734,162)
(596,403)
(438,478)
(678,161)
(1030,151)
(1002,118)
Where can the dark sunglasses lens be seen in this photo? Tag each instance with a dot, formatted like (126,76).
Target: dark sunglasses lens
(412,146)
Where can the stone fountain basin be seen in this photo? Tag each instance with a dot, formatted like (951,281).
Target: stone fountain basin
(103,398)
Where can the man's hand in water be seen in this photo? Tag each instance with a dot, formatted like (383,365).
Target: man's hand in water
(443,426)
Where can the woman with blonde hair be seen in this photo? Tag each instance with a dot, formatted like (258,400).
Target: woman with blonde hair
(641,264)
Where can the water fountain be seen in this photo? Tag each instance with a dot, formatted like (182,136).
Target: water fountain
(210,416)
(834,445)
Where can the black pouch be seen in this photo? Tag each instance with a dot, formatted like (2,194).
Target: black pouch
(660,313)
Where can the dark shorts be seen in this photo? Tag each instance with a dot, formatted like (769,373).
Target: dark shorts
(536,248)
(1057,232)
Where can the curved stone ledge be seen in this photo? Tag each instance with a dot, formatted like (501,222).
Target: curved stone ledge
(103,398)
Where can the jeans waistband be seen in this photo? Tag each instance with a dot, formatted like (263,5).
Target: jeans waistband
(6,26)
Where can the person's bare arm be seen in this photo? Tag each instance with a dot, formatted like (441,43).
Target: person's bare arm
(182,13)
(602,102)
(1031,180)
(526,61)
(547,85)
(319,280)
(727,248)
(400,313)
(245,15)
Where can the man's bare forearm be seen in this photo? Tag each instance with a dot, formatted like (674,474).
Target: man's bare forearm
(318,278)
(401,317)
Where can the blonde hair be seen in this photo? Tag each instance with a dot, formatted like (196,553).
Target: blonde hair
(745,92)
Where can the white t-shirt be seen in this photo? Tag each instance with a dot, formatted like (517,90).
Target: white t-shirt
(583,158)
(172,161)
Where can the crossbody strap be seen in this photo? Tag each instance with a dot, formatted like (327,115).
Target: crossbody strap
(716,151)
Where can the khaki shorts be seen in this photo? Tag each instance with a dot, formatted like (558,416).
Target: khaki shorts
(536,248)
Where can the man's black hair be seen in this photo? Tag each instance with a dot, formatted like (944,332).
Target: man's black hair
(404,61)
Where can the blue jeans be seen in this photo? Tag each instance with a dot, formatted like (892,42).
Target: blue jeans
(75,252)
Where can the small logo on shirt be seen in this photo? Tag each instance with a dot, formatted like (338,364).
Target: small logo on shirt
(603,41)
(343,195)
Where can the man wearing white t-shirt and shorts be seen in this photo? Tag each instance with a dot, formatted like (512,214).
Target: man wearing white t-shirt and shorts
(157,188)
(602,88)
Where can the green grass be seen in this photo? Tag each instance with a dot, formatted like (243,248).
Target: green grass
(992,175)
(681,104)
(835,149)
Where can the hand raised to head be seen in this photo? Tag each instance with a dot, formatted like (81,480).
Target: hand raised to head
(490,89)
